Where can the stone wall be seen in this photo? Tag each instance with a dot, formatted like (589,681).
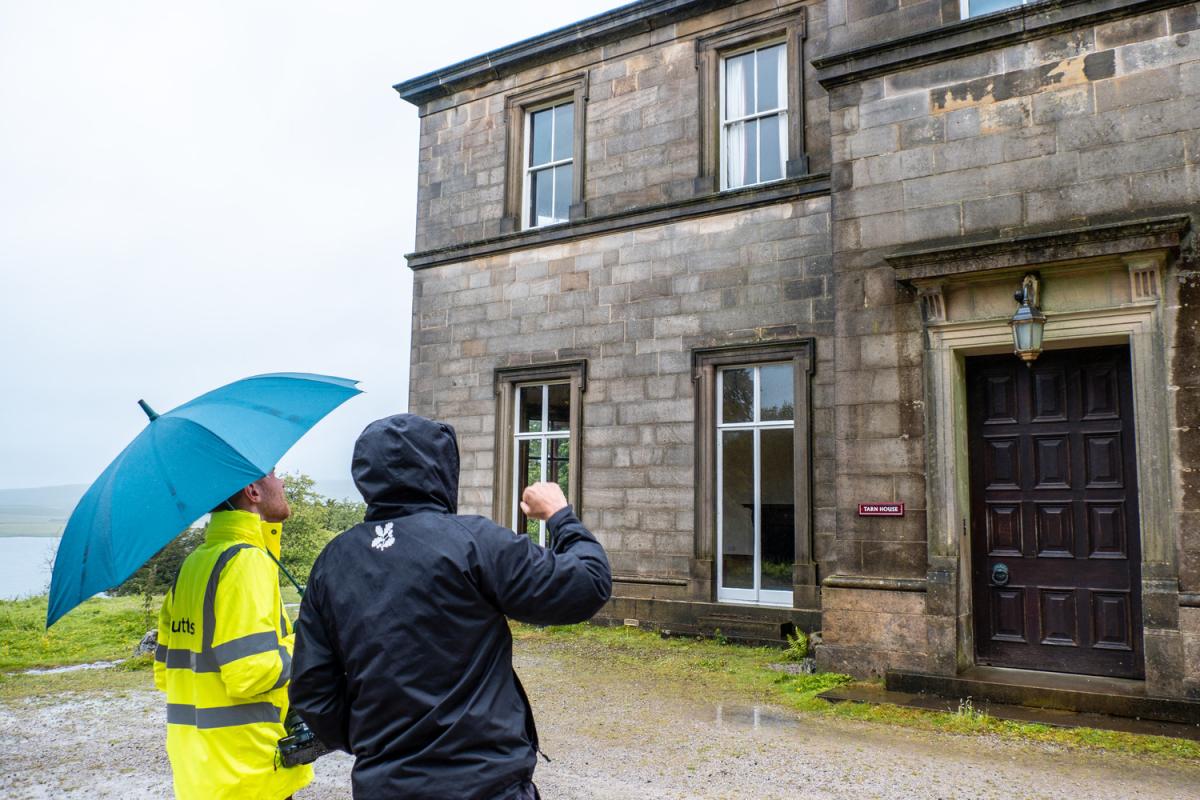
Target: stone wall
(860,23)
(634,304)
(1095,124)
(642,135)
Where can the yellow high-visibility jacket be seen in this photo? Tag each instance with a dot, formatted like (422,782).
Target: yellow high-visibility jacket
(224,659)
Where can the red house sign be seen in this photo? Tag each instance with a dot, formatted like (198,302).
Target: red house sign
(881,509)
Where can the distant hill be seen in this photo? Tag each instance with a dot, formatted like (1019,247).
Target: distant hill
(40,511)
(44,510)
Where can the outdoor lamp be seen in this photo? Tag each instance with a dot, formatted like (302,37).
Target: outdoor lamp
(1029,323)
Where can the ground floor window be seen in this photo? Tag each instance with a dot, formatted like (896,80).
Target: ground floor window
(754,492)
(538,435)
(542,446)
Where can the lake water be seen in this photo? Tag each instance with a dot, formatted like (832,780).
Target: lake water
(25,565)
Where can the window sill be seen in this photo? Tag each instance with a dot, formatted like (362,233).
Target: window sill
(706,204)
(976,34)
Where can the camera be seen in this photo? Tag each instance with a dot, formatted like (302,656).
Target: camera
(301,745)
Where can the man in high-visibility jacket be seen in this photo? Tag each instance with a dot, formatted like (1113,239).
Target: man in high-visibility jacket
(224,656)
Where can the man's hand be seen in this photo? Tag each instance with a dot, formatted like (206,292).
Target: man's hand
(543,500)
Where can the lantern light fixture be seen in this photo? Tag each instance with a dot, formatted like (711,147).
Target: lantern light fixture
(1028,323)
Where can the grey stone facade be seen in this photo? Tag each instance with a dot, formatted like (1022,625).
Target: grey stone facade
(970,149)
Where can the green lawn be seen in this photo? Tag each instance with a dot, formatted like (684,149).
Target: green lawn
(101,629)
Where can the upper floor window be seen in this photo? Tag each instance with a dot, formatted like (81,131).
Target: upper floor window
(550,168)
(752,103)
(544,171)
(977,8)
(754,146)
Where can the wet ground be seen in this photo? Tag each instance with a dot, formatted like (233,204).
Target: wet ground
(613,734)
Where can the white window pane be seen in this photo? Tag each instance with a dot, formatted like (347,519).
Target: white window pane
(750,160)
(558,464)
(564,131)
(770,77)
(739,86)
(529,405)
(770,165)
(978,7)
(559,411)
(776,393)
(737,509)
(540,135)
(735,155)
(562,192)
(777,536)
(541,200)
(529,471)
(737,388)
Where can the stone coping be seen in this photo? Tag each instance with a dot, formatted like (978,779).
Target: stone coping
(977,34)
(1041,247)
(813,185)
(577,37)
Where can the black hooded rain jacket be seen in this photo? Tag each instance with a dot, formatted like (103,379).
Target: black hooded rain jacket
(403,655)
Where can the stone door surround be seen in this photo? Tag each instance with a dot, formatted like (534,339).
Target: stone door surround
(1101,285)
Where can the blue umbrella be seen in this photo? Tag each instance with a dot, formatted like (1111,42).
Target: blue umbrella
(182,465)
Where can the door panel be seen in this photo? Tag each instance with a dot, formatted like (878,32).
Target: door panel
(1054,502)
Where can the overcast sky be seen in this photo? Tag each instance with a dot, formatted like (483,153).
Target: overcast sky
(195,193)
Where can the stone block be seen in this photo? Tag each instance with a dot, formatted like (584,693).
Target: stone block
(992,213)
(1131,29)
(1184,18)
(1078,200)
(1145,155)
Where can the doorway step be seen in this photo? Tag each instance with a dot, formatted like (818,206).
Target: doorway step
(876,694)
(1085,694)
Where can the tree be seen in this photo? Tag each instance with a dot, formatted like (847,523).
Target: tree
(314,521)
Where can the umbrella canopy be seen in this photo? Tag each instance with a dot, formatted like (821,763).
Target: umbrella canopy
(179,468)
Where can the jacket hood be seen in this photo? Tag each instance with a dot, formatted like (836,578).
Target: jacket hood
(405,464)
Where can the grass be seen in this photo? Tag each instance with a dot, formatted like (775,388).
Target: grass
(107,629)
(101,629)
(710,668)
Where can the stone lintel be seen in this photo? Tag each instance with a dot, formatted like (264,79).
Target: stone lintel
(1042,247)
(974,35)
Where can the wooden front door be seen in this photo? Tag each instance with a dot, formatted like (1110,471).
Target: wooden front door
(1056,554)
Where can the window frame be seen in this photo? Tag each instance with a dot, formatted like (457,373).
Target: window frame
(545,436)
(964,8)
(706,366)
(528,169)
(518,108)
(711,52)
(757,116)
(756,595)
(506,382)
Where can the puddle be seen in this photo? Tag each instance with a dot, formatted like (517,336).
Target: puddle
(72,668)
(754,717)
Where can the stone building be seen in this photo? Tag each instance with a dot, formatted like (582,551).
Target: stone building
(740,276)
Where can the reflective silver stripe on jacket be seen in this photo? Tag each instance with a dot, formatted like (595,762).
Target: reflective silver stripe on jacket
(222,716)
(210,658)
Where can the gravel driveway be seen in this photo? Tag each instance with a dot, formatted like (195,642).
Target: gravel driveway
(613,734)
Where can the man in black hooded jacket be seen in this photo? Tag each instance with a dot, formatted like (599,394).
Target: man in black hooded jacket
(403,655)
